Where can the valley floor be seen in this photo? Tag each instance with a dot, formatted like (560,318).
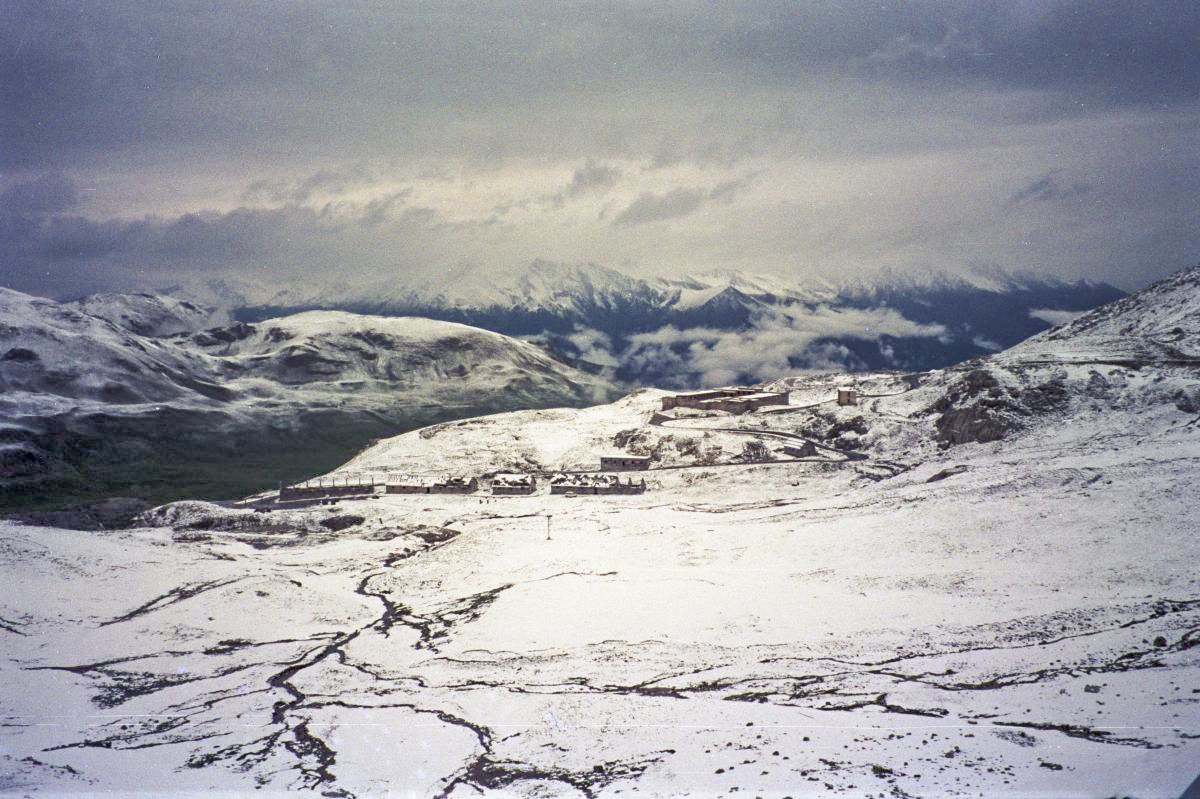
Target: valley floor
(1027,626)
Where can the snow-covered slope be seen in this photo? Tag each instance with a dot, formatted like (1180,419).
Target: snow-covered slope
(1160,323)
(151,314)
(67,373)
(913,606)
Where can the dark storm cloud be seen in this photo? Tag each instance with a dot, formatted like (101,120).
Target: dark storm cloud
(45,194)
(82,79)
(371,134)
(651,207)
(1110,51)
(591,177)
(727,190)
(1048,187)
(322,182)
(66,255)
(657,207)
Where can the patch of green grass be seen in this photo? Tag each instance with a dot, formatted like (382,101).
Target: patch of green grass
(177,456)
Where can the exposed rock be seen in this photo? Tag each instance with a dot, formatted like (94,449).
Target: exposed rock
(338,523)
(115,513)
(944,473)
(976,423)
(20,355)
(1097,385)
(1188,402)
(1047,397)
(979,409)
(20,462)
(979,379)
(119,394)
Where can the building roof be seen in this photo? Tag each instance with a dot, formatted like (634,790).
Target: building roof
(583,479)
(706,393)
(512,479)
(760,395)
(709,392)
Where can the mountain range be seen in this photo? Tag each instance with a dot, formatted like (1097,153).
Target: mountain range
(696,330)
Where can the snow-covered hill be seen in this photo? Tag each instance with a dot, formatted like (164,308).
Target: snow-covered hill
(82,396)
(151,314)
(1161,323)
(679,331)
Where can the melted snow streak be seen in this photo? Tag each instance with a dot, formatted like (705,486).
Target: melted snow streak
(282,690)
(168,599)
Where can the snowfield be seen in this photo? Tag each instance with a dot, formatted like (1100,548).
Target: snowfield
(981,584)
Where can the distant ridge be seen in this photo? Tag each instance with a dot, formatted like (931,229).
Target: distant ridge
(886,320)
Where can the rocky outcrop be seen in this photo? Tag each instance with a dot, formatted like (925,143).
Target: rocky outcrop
(980,408)
(982,422)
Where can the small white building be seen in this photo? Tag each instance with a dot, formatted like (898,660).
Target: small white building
(847,396)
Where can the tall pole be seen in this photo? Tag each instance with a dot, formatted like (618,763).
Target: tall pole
(547,527)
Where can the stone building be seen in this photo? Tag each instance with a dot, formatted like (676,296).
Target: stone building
(513,484)
(731,400)
(326,488)
(692,399)
(450,485)
(624,463)
(590,484)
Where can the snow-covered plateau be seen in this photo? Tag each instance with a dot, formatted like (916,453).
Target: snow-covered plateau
(976,581)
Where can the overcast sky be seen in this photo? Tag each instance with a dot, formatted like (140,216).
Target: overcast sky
(145,143)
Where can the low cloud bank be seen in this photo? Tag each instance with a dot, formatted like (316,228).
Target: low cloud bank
(774,345)
(1055,317)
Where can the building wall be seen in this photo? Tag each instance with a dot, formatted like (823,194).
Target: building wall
(623,464)
(696,399)
(639,488)
(435,488)
(743,404)
(470,488)
(313,492)
(572,489)
(689,400)
(513,490)
(778,399)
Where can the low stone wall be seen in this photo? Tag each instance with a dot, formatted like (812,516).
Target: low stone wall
(434,488)
(288,493)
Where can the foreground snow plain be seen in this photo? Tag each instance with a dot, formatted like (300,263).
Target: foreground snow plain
(1014,617)
(1024,627)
